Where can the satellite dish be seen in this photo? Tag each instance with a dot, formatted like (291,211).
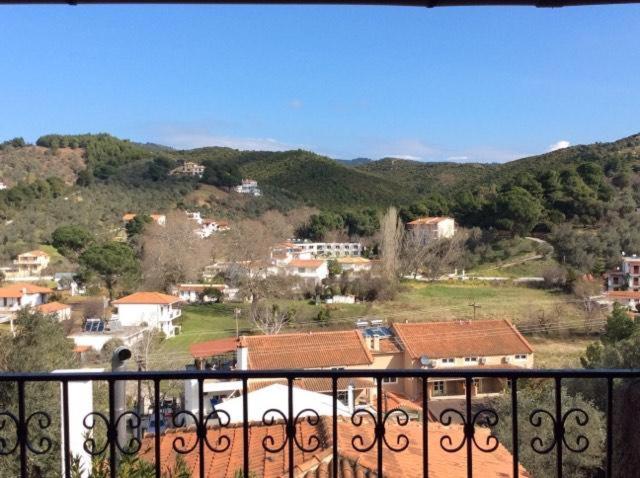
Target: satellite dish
(424,360)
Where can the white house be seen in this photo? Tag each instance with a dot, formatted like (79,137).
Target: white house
(192,292)
(626,277)
(433,228)
(355,264)
(31,263)
(188,168)
(61,311)
(15,296)
(248,186)
(313,269)
(154,309)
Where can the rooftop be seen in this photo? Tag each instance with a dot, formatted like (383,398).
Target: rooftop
(461,339)
(307,263)
(18,289)
(52,307)
(429,220)
(148,298)
(405,464)
(307,350)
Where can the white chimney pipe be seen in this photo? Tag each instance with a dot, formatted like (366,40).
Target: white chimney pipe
(80,405)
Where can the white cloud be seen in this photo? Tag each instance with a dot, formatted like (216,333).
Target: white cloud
(190,138)
(559,145)
(404,156)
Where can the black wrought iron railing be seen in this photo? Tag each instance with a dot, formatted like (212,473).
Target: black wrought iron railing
(28,433)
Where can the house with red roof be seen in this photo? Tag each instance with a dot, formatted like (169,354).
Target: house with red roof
(461,345)
(317,462)
(153,309)
(15,296)
(60,311)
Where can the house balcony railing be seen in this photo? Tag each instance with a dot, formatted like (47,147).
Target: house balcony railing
(28,432)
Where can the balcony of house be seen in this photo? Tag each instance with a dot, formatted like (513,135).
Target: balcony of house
(284,429)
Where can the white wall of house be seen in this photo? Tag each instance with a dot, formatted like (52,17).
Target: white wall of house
(314,273)
(157,316)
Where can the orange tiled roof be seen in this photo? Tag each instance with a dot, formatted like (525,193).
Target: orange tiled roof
(52,307)
(213,347)
(128,216)
(37,253)
(461,338)
(18,289)
(389,345)
(316,464)
(428,220)
(308,263)
(623,294)
(353,260)
(148,298)
(307,350)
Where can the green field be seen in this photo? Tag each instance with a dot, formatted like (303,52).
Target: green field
(416,301)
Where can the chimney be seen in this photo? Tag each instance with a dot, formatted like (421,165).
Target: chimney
(80,404)
(242,355)
(376,343)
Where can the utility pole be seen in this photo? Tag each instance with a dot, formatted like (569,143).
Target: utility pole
(237,311)
(475,307)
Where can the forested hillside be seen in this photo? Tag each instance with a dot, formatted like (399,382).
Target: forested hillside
(574,196)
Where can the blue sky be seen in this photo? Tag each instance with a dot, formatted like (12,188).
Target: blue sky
(463,84)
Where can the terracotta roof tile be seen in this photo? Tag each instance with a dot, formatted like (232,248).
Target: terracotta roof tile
(317,464)
(18,289)
(307,350)
(37,253)
(461,338)
(52,307)
(623,294)
(353,260)
(307,263)
(148,298)
(213,347)
(428,220)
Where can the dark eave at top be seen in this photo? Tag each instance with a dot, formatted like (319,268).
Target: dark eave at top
(405,3)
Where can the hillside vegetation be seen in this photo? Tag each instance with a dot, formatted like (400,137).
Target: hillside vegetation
(583,198)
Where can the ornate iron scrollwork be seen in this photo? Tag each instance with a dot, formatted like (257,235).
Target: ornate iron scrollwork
(380,430)
(223,442)
(272,415)
(5,448)
(44,442)
(90,444)
(40,446)
(559,430)
(491,417)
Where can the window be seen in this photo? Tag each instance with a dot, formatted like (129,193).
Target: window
(390,380)
(343,397)
(521,357)
(438,388)
(301,270)
(471,359)
(447,360)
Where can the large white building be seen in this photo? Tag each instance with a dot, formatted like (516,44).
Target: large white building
(329,249)
(154,309)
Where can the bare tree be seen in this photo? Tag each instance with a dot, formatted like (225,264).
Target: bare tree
(269,319)
(173,253)
(391,233)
